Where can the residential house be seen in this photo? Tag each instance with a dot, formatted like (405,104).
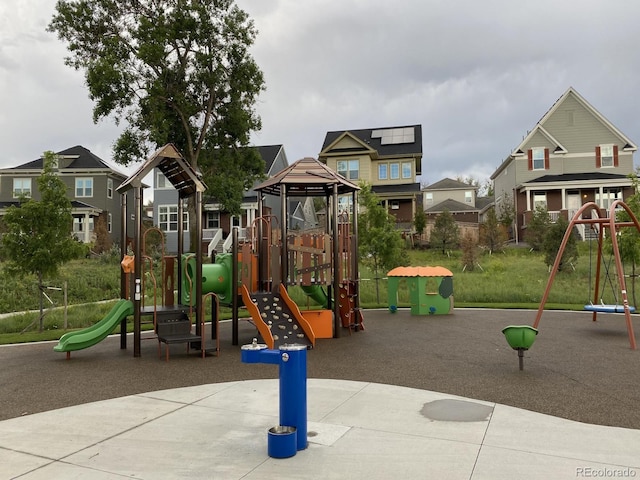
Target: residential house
(91,186)
(217,222)
(388,158)
(573,155)
(458,198)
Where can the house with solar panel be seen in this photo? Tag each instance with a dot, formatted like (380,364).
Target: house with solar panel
(387,158)
(91,185)
(571,156)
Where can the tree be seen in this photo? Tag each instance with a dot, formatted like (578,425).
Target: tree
(38,232)
(507,213)
(537,228)
(629,238)
(176,72)
(380,244)
(491,236)
(100,230)
(469,252)
(552,241)
(419,222)
(444,234)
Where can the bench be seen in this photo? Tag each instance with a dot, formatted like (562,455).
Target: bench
(175,330)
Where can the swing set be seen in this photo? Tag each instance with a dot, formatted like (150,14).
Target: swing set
(600,224)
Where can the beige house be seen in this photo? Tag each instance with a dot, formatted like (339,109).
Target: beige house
(389,159)
(573,155)
(458,198)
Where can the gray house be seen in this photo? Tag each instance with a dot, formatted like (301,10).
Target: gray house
(218,223)
(91,186)
(573,155)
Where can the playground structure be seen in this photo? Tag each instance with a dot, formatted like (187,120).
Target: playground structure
(257,272)
(521,337)
(323,263)
(430,289)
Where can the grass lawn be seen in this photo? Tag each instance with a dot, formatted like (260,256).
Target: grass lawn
(512,278)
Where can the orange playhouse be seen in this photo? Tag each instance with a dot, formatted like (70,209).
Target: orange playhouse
(430,289)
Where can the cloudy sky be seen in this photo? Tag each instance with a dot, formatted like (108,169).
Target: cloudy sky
(477,75)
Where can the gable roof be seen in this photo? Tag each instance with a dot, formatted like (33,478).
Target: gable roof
(269,153)
(539,128)
(77,158)
(387,141)
(452,206)
(449,184)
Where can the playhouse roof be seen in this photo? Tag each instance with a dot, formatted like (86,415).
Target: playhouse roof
(420,272)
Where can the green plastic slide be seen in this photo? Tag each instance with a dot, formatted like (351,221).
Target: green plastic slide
(317,293)
(88,337)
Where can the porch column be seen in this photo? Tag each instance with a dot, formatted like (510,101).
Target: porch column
(601,191)
(528,194)
(87,233)
(563,191)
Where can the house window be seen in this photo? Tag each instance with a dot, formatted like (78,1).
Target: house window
(236,221)
(606,155)
(213,220)
(383,171)
(468,197)
(345,203)
(80,226)
(161,180)
(109,223)
(406,169)
(538,158)
(84,187)
(168,218)
(539,200)
(395,204)
(21,187)
(109,188)
(609,195)
(349,169)
(428,198)
(395,171)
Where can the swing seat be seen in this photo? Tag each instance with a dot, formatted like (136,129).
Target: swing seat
(602,308)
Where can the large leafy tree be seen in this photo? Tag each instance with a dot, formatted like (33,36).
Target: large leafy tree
(175,71)
(38,232)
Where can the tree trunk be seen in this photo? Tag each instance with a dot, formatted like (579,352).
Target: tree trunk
(41,292)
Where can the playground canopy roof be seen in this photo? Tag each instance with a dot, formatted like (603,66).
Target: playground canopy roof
(420,272)
(173,165)
(307,178)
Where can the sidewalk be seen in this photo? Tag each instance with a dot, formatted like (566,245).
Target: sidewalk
(357,430)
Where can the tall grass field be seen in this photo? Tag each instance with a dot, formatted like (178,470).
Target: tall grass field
(512,278)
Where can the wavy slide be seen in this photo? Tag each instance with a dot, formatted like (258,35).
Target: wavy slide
(317,294)
(88,337)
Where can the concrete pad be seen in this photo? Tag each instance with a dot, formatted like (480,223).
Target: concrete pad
(518,429)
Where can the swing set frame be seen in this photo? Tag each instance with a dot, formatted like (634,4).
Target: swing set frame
(613,225)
